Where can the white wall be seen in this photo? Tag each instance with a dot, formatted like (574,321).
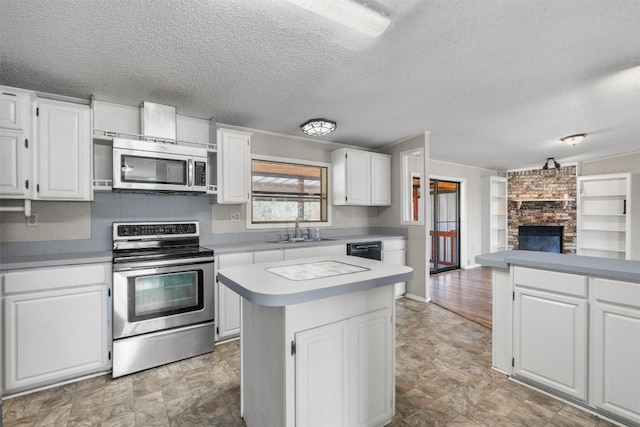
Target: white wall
(619,164)
(417,248)
(56,221)
(470,227)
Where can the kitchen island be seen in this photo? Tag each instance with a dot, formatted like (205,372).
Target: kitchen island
(317,341)
(569,325)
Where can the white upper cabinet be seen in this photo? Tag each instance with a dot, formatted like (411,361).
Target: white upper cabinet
(360,178)
(64,154)
(16,145)
(380,179)
(233,166)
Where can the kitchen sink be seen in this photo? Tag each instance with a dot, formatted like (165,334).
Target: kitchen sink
(298,240)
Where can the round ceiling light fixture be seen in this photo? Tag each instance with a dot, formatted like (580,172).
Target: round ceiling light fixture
(573,139)
(318,127)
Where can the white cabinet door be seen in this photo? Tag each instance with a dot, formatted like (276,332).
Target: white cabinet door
(322,376)
(371,368)
(380,179)
(550,341)
(64,151)
(358,177)
(14,109)
(15,144)
(617,348)
(14,165)
(228,302)
(55,335)
(315,251)
(234,166)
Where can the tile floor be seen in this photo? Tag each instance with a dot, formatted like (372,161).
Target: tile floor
(442,379)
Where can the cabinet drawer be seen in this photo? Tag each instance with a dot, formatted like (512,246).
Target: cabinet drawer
(393,245)
(40,279)
(618,292)
(550,281)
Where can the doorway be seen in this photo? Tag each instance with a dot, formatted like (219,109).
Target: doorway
(444,228)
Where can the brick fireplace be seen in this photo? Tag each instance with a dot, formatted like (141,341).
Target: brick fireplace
(543,197)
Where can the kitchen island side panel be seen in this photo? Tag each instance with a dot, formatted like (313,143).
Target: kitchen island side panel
(263,354)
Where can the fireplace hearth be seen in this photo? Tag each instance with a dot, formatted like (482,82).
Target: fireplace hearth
(543,238)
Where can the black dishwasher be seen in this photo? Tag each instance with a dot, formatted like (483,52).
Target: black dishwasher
(371,250)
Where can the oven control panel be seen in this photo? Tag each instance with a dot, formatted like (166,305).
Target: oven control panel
(141,230)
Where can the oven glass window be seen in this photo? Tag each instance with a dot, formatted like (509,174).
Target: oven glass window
(165,294)
(153,171)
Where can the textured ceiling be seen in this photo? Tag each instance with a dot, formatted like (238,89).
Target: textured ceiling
(497,83)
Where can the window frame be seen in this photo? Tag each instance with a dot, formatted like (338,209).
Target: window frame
(286,225)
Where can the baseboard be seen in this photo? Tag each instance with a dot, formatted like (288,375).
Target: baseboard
(417,298)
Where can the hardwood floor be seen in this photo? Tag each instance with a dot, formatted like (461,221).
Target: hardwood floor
(464,292)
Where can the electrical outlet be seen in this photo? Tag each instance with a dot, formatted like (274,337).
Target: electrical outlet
(338,216)
(32,221)
(235,216)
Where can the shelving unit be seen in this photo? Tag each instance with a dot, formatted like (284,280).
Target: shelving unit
(494,214)
(608,217)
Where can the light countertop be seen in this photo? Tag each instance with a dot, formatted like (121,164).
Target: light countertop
(267,283)
(51,260)
(618,269)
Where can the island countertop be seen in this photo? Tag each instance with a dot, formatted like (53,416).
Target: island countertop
(619,269)
(296,281)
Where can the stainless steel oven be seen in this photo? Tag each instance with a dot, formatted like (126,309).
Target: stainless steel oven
(163,297)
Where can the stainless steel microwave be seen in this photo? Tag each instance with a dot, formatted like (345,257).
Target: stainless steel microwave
(140,166)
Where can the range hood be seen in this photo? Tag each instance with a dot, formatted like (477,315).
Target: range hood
(158,121)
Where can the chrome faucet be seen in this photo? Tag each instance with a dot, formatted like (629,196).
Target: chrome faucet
(297,228)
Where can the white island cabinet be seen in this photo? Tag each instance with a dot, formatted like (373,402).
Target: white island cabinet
(56,324)
(570,325)
(617,348)
(550,330)
(317,340)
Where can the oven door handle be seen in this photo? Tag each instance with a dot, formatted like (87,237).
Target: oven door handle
(145,265)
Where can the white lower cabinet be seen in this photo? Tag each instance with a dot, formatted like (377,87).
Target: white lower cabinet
(343,372)
(617,348)
(56,324)
(322,375)
(550,330)
(228,302)
(393,252)
(297,253)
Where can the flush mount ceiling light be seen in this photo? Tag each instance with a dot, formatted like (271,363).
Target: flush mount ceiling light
(553,163)
(573,139)
(348,13)
(318,127)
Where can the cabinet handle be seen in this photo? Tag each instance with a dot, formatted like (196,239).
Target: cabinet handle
(624,207)
(26,184)
(26,143)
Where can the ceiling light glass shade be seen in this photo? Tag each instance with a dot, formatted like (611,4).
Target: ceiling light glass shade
(573,139)
(348,13)
(318,127)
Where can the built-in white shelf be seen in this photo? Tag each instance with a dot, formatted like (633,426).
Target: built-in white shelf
(494,214)
(608,217)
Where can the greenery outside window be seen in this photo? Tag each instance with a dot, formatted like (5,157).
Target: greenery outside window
(282,192)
